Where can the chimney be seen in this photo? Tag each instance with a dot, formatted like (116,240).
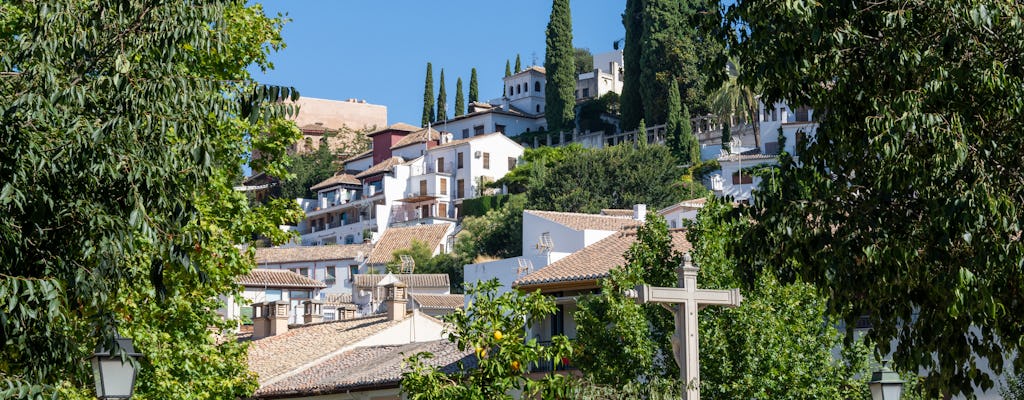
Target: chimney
(396,297)
(346,311)
(639,212)
(260,329)
(312,311)
(269,319)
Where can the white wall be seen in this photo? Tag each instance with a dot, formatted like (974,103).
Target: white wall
(414,328)
(361,164)
(566,241)
(506,271)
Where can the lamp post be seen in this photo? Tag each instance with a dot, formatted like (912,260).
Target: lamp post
(115,370)
(885,383)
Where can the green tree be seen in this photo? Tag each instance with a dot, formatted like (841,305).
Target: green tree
(492,325)
(726,137)
(906,206)
(583,60)
(519,65)
(428,263)
(495,234)
(668,56)
(735,99)
(460,98)
(559,92)
(614,177)
(428,97)
(674,125)
(117,206)
(308,169)
(690,146)
(474,92)
(442,100)
(641,132)
(632,103)
(508,69)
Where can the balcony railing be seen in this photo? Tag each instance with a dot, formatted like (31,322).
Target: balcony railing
(548,365)
(432,168)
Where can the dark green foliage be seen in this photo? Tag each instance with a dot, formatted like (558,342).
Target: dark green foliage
(427,263)
(641,132)
(536,163)
(674,124)
(583,60)
(307,170)
(428,97)
(519,65)
(498,233)
(560,90)
(508,69)
(632,103)
(690,151)
(474,93)
(460,98)
(1014,388)
(442,100)
(668,57)
(906,207)
(478,206)
(122,131)
(590,113)
(726,137)
(613,177)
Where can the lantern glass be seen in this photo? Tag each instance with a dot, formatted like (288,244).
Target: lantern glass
(885,384)
(114,376)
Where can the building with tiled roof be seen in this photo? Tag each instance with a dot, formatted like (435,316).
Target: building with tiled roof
(279,358)
(272,278)
(580,221)
(333,265)
(417,137)
(434,236)
(368,372)
(437,304)
(275,256)
(262,285)
(381,167)
(339,179)
(685,210)
(368,289)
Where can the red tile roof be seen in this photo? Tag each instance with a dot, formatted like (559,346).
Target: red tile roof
(400,126)
(381,167)
(419,136)
(278,255)
(579,222)
(395,239)
(335,180)
(411,281)
(277,278)
(439,301)
(595,261)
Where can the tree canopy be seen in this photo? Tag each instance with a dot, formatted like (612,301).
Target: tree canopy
(906,206)
(560,89)
(124,125)
(428,97)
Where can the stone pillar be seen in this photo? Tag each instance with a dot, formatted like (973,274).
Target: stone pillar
(548,142)
(396,297)
(312,311)
(535,142)
(278,316)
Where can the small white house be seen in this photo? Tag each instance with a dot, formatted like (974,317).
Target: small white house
(270,285)
(333,265)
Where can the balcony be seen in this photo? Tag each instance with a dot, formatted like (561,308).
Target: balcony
(432,168)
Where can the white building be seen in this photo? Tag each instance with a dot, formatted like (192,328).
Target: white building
(502,117)
(270,285)
(606,77)
(333,265)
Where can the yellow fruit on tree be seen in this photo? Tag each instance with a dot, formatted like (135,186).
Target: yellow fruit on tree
(497,335)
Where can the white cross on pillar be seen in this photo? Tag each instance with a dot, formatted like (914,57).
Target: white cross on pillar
(684,302)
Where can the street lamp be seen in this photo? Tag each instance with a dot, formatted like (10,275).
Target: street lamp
(115,370)
(885,383)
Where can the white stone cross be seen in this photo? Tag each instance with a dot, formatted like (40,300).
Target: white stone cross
(684,302)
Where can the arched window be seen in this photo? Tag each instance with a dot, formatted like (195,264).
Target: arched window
(510,90)
(519,89)
(350,239)
(538,108)
(536,86)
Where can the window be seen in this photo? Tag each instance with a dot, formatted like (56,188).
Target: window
(423,187)
(300,294)
(329,276)
(245,314)
(511,163)
(459,160)
(304,272)
(444,186)
(478,130)
(440,164)
(272,294)
(775,114)
(499,128)
(538,111)
(487,160)
(519,89)
(442,211)
(510,90)
(460,188)
(349,239)
(352,271)
(586,92)
(465,133)
(536,86)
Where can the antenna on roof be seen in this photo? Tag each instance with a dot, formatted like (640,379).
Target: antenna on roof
(408,264)
(525,267)
(545,244)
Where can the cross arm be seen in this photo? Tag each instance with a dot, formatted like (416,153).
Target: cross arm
(703,297)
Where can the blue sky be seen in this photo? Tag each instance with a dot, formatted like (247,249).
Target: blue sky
(378,50)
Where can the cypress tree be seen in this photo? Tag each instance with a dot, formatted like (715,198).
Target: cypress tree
(508,69)
(474,94)
(641,134)
(560,64)
(666,51)
(519,66)
(460,103)
(691,147)
(428,97)
(673,127)
(442,100)
(630,103)
(726,137)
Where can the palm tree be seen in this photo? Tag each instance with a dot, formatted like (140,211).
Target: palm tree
(735,99)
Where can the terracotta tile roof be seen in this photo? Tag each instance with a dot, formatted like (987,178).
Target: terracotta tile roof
(594,261)
(617,212)
(367,368)
(419,136)
(278,255)
(273,356)
(381,167)
(470,139)
(400,126)
(335,180)
(358,156)
(579,222)
(692,204)
(439,301)
(277,278)
(401,238)
(338,299)
(411,281)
